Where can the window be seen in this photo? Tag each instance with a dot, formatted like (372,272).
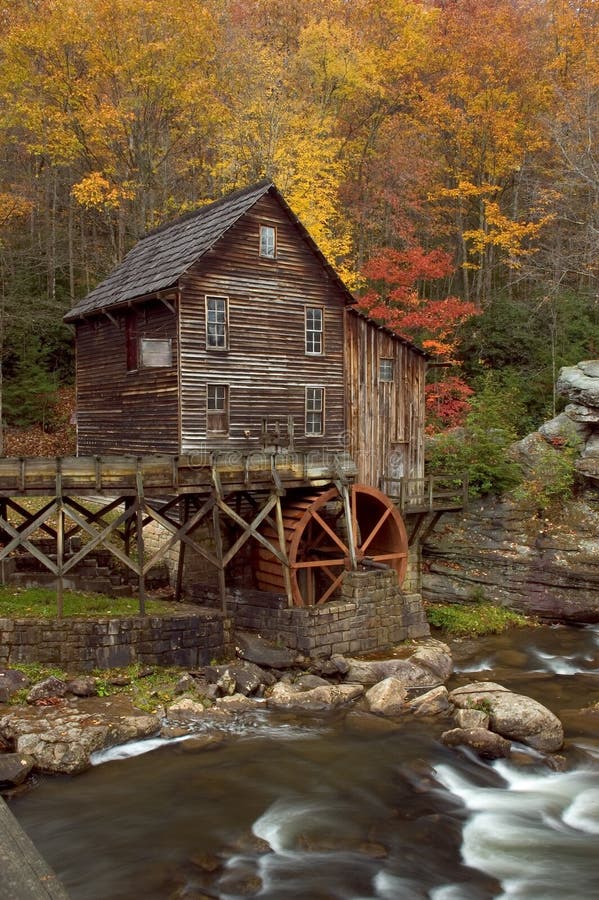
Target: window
(156,353)
(314,410)
(386,370)
(268,241)
(217,408)
(314,329)
(217,323)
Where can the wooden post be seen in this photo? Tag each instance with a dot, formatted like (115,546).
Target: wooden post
(283,547)
(351,538)
(182,546)
(59,540)
(218,546)
(140,541)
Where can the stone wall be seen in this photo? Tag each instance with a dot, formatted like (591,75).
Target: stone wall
(372,614)
(190,638)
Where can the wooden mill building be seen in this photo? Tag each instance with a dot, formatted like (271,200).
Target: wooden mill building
(227,343)
(229,330)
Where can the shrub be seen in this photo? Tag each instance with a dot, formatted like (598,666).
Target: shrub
(551,477)
(480,449)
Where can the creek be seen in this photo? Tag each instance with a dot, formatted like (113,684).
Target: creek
(345,807)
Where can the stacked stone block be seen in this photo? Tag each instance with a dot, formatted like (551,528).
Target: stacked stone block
(185,639)
(371,614)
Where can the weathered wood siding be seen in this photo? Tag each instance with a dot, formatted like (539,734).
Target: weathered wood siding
(120,411)
(265,366)
(385,420)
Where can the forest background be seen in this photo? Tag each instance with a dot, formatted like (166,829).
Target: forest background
(444,155)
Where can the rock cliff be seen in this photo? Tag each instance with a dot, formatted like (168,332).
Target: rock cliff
(502,550)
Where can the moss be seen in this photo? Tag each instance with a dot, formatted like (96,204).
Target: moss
(474,619)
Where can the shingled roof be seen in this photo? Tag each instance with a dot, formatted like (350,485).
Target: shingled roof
(159,259)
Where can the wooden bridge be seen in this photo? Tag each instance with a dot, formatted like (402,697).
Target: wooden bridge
(109,500)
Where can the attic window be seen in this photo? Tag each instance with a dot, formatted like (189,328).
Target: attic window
(268,241)
(155,353)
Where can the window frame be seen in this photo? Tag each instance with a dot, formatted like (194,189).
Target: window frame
(313,331)
(322,410)
(223,413)
(265,245)
(391,362)
(210,346)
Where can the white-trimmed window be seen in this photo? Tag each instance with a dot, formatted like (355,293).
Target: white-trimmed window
(217,408)
(385,369)
(314,330)
(217,323)
(268,241)
(314,410)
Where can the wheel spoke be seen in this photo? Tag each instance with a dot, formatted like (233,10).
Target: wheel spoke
(376,529)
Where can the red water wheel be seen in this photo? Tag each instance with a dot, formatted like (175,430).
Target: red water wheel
(317,540)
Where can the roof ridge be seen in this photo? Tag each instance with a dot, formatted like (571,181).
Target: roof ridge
(226,198)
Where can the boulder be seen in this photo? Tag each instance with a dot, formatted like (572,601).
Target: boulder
(186,684)
(435,656)
(485,743)
(307,682)
(236,702)
(563,426)
(371,671)
(14,769)
(513,716)
(257,650)
(428,665)
(336,665)
(83,686)
(186,710)
(432,703)
(62,741)
(580,383)
(47,690)
(471,718)
(11,682)
(387,697)
(584,414)
(286,696)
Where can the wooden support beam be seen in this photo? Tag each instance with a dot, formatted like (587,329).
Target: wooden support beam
(182,548)
(140,540)
(280,527)
(218,545)
(59,542)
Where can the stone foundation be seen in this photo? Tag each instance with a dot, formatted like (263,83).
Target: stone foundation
(372,614)
(191,638)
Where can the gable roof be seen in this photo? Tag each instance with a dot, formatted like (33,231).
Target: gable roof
(162,256)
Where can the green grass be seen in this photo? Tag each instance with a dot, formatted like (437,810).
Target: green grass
(474,619)
(41,602)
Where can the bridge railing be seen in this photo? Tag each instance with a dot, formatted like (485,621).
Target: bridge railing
(432,493)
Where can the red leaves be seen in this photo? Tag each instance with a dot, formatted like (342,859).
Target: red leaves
(447,403)
(396,302)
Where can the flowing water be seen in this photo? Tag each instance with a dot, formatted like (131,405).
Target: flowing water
(348,806)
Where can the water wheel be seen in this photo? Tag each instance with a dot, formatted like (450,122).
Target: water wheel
(318,545)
